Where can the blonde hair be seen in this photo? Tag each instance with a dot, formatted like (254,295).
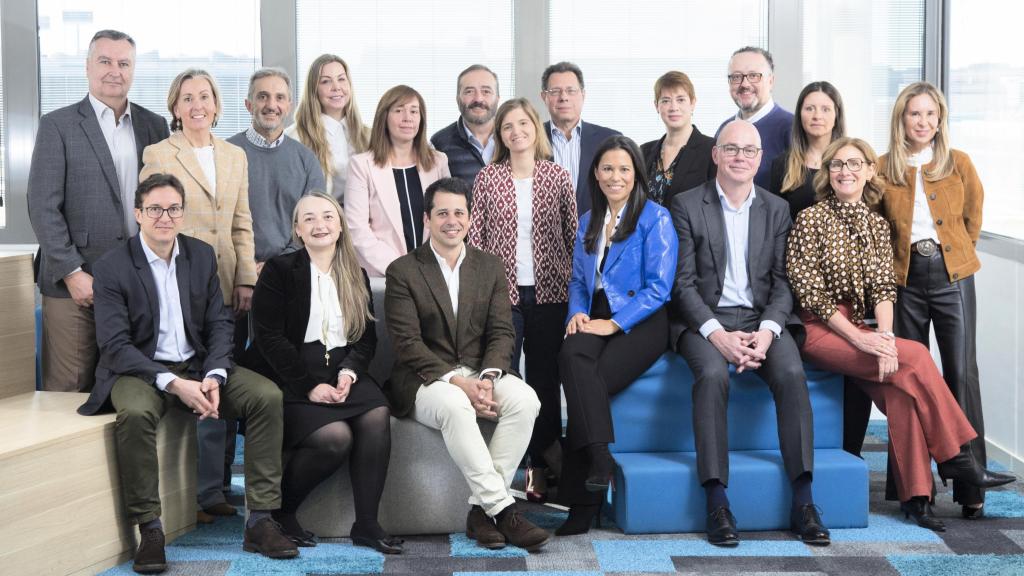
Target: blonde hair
(309,124)
(175,92)
(899,150)
(873,188)
(380,137)
(541,146)
(800,143)
(345,272)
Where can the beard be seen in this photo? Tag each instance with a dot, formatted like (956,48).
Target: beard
(478,120)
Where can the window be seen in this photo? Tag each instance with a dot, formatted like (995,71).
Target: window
(870,50)
(423,44)
(986,105)
(623,47)
(3,147)
(222,38)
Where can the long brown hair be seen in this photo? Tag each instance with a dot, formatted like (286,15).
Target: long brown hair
(380,137)
(345,272)
(309,124)
(899,150)
(873,188)
(799,142)
(541,146)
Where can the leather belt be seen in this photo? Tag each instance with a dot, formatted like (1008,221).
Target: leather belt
(926,247)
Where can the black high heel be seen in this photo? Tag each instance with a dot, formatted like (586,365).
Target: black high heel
(921,510)
(581,516)
(602,466)
(965,468)
(972,512)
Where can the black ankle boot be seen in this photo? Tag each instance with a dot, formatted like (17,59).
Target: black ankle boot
(966,468)
(602,466)
(919,508)
(581,516)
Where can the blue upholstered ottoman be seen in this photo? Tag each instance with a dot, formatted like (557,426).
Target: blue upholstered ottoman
(656,486)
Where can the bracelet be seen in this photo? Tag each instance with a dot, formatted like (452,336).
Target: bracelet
(888,333)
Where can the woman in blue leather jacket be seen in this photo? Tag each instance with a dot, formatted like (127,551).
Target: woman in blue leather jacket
(623,266)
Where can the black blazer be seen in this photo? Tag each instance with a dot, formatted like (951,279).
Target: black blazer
(128,316)
(799,198)
(693,163)
(700,273)
(591,136)
(280,314)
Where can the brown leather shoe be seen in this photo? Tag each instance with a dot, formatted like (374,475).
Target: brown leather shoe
(481,528)
(266,538)
(150,558)
(221,509)
(519,531)
(202,517)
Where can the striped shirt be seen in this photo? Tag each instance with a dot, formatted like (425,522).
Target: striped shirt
(567,152)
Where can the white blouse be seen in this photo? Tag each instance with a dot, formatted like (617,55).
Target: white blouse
(326,324)
(337,138)
(205,157)
(524,231)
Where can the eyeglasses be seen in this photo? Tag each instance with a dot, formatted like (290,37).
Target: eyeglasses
(732,150)
(557,92)
(854,164)
(156,212)
(752,77)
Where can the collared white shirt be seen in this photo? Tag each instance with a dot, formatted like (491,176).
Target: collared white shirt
(120,138)
(768,107)
(567,151)
(171,343)
(922,227)
(257,139)
(205,157)
(486,151)
(326,323)
(736,288)
(602,241)
(337,140)
(524,231)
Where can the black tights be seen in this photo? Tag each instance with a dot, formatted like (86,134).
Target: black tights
(368,438)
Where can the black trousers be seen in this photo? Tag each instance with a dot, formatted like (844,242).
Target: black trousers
(782,370)
(593,369)
(540,329)
(930,299)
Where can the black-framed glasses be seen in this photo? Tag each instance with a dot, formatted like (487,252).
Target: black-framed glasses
(752,77)
(156,212)
(557,92)
(732,150)
(854,164)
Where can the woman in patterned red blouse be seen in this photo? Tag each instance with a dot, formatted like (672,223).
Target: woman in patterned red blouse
(840,262)
(524,210)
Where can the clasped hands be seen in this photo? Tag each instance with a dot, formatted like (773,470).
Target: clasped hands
(883,346)
(202,397)
(582,323)
(481,394)
(327,394)
(745,350)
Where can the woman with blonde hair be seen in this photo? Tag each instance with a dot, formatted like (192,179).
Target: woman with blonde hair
(933,202)
(327,120)
(524,211)
(315,337)
(384,191)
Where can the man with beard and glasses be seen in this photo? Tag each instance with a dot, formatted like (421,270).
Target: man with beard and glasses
(469,141)
(751,79)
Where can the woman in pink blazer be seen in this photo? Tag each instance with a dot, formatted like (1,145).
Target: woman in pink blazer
(384,190)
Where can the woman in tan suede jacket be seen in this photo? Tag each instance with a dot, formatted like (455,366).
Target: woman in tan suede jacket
(933,202)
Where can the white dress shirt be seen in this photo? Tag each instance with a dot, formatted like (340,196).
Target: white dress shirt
(120,138)
(922,227)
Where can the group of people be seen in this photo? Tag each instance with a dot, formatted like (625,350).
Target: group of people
(232,279)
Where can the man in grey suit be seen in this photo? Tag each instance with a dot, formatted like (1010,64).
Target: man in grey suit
(730,304)
(81,186)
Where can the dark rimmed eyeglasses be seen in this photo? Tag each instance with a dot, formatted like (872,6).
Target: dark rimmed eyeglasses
(732,150)
(752,77)
(854,164)
(156,212)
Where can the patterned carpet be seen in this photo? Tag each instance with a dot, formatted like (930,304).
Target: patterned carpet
(889,546)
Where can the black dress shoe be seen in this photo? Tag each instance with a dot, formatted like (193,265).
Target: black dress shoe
(919,508)
(602,466)
(581,516)
(722,528)
(972,512)
(294,531)
(805,522)
(965,467)
(150,558)
(376,538)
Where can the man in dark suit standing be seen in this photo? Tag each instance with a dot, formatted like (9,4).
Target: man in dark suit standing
(164,337)
(730,304)
(85,167)
(450,321)
(573,141)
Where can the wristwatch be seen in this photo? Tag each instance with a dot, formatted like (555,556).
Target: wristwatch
(488,376)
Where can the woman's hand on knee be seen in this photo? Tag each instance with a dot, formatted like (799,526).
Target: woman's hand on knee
(576,323)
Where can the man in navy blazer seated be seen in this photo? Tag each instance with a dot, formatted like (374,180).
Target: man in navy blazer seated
(731,304)
(165,340)
(573,141)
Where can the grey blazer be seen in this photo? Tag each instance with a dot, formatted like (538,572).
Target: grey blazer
(700,273)
(74,197)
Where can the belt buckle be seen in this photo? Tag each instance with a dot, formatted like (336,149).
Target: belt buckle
(925,247)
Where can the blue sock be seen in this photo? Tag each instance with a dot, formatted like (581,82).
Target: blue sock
(255,516)
(154,523)
(715,491)
(802,490)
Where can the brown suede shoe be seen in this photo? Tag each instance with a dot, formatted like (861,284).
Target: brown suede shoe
(150,558)
(481,528)
(519,531)
(221,509)
(266,538)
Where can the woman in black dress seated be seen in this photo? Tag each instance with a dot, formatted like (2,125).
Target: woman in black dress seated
(314,336)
